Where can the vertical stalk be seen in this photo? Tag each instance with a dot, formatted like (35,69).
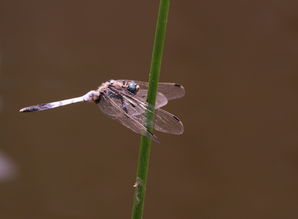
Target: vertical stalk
(145,145)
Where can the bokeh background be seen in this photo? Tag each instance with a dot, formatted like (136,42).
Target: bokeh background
(238,157)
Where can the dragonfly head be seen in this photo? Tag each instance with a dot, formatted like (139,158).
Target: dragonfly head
(133,87)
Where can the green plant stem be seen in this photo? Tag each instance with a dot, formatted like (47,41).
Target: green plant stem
(145,145)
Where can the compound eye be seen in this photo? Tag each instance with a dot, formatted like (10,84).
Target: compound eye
(133,87)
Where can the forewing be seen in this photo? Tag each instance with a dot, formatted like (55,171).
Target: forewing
(129,103)
(106,106)
(169,90)
(114,109)
(164,122)
(141,95)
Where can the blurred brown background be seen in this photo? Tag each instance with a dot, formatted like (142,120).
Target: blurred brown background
(238,157)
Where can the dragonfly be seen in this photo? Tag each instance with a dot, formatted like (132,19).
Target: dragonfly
(126,102)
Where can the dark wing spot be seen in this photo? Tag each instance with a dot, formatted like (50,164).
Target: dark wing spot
(177,85)
(132,104)
(175,117)
(150,132)
(154,138)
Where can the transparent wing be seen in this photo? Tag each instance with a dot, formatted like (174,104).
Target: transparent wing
(114,106)
(169,90)
(128,102)
(167,123)
(163,122)
(161,99)
(135,104)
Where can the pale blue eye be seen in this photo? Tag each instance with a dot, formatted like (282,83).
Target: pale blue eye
(132,87)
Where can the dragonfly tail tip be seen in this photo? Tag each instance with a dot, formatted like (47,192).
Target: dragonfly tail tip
(27,109)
